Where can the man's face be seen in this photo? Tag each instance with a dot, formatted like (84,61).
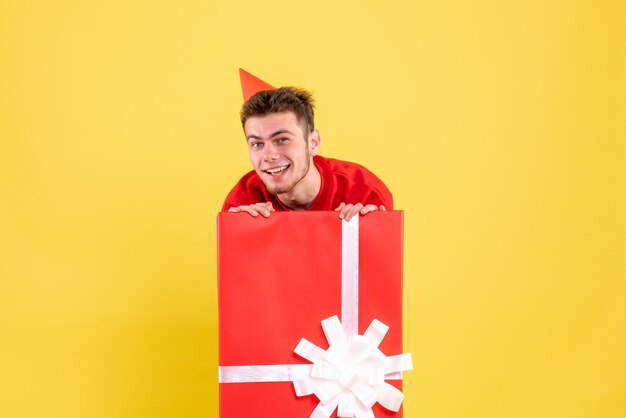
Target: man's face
(280,152)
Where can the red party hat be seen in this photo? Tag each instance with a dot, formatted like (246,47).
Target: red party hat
(251,85)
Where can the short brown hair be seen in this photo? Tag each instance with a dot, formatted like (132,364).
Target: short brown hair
(284,99)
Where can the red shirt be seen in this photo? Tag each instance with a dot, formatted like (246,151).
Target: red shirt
(342,181)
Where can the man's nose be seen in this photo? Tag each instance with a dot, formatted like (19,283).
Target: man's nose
(270,153)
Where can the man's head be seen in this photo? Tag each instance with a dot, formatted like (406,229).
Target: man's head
(282,141)
(284,99)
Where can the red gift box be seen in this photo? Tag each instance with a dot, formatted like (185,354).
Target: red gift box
(278,278)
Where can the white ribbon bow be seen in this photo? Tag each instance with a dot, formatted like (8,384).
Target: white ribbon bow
(350,375)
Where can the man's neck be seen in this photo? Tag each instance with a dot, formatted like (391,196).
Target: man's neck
(302,196)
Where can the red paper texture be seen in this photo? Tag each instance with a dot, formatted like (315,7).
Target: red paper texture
(278,278)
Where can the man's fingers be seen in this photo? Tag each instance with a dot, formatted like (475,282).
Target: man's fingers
(348,211)
(244,208)
(262,208)
(265,208)
(368,209)
(343,209)
(254,210)
(353,211)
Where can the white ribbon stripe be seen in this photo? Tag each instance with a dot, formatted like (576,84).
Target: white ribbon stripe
(264,373)
(350,275)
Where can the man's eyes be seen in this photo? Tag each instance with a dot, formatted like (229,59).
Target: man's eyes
(260,144)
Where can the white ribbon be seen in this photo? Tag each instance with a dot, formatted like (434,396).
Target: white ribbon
(350,275)
(264,373)
(349,376)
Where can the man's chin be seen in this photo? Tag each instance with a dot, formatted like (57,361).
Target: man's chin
(277,189)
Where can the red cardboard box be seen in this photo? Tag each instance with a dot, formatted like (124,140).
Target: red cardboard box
(278,278)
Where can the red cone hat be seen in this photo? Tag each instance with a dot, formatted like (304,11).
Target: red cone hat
(251,85)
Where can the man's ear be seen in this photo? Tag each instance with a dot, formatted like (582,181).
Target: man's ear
(314,141)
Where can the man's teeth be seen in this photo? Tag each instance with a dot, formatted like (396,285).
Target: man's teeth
(276,170)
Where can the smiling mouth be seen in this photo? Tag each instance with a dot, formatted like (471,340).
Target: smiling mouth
(277,170)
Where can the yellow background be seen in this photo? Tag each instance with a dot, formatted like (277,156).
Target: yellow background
(499,126)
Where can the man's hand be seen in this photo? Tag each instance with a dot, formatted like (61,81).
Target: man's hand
(264,208)
(347,211)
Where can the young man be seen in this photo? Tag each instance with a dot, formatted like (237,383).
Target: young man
(288,174)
